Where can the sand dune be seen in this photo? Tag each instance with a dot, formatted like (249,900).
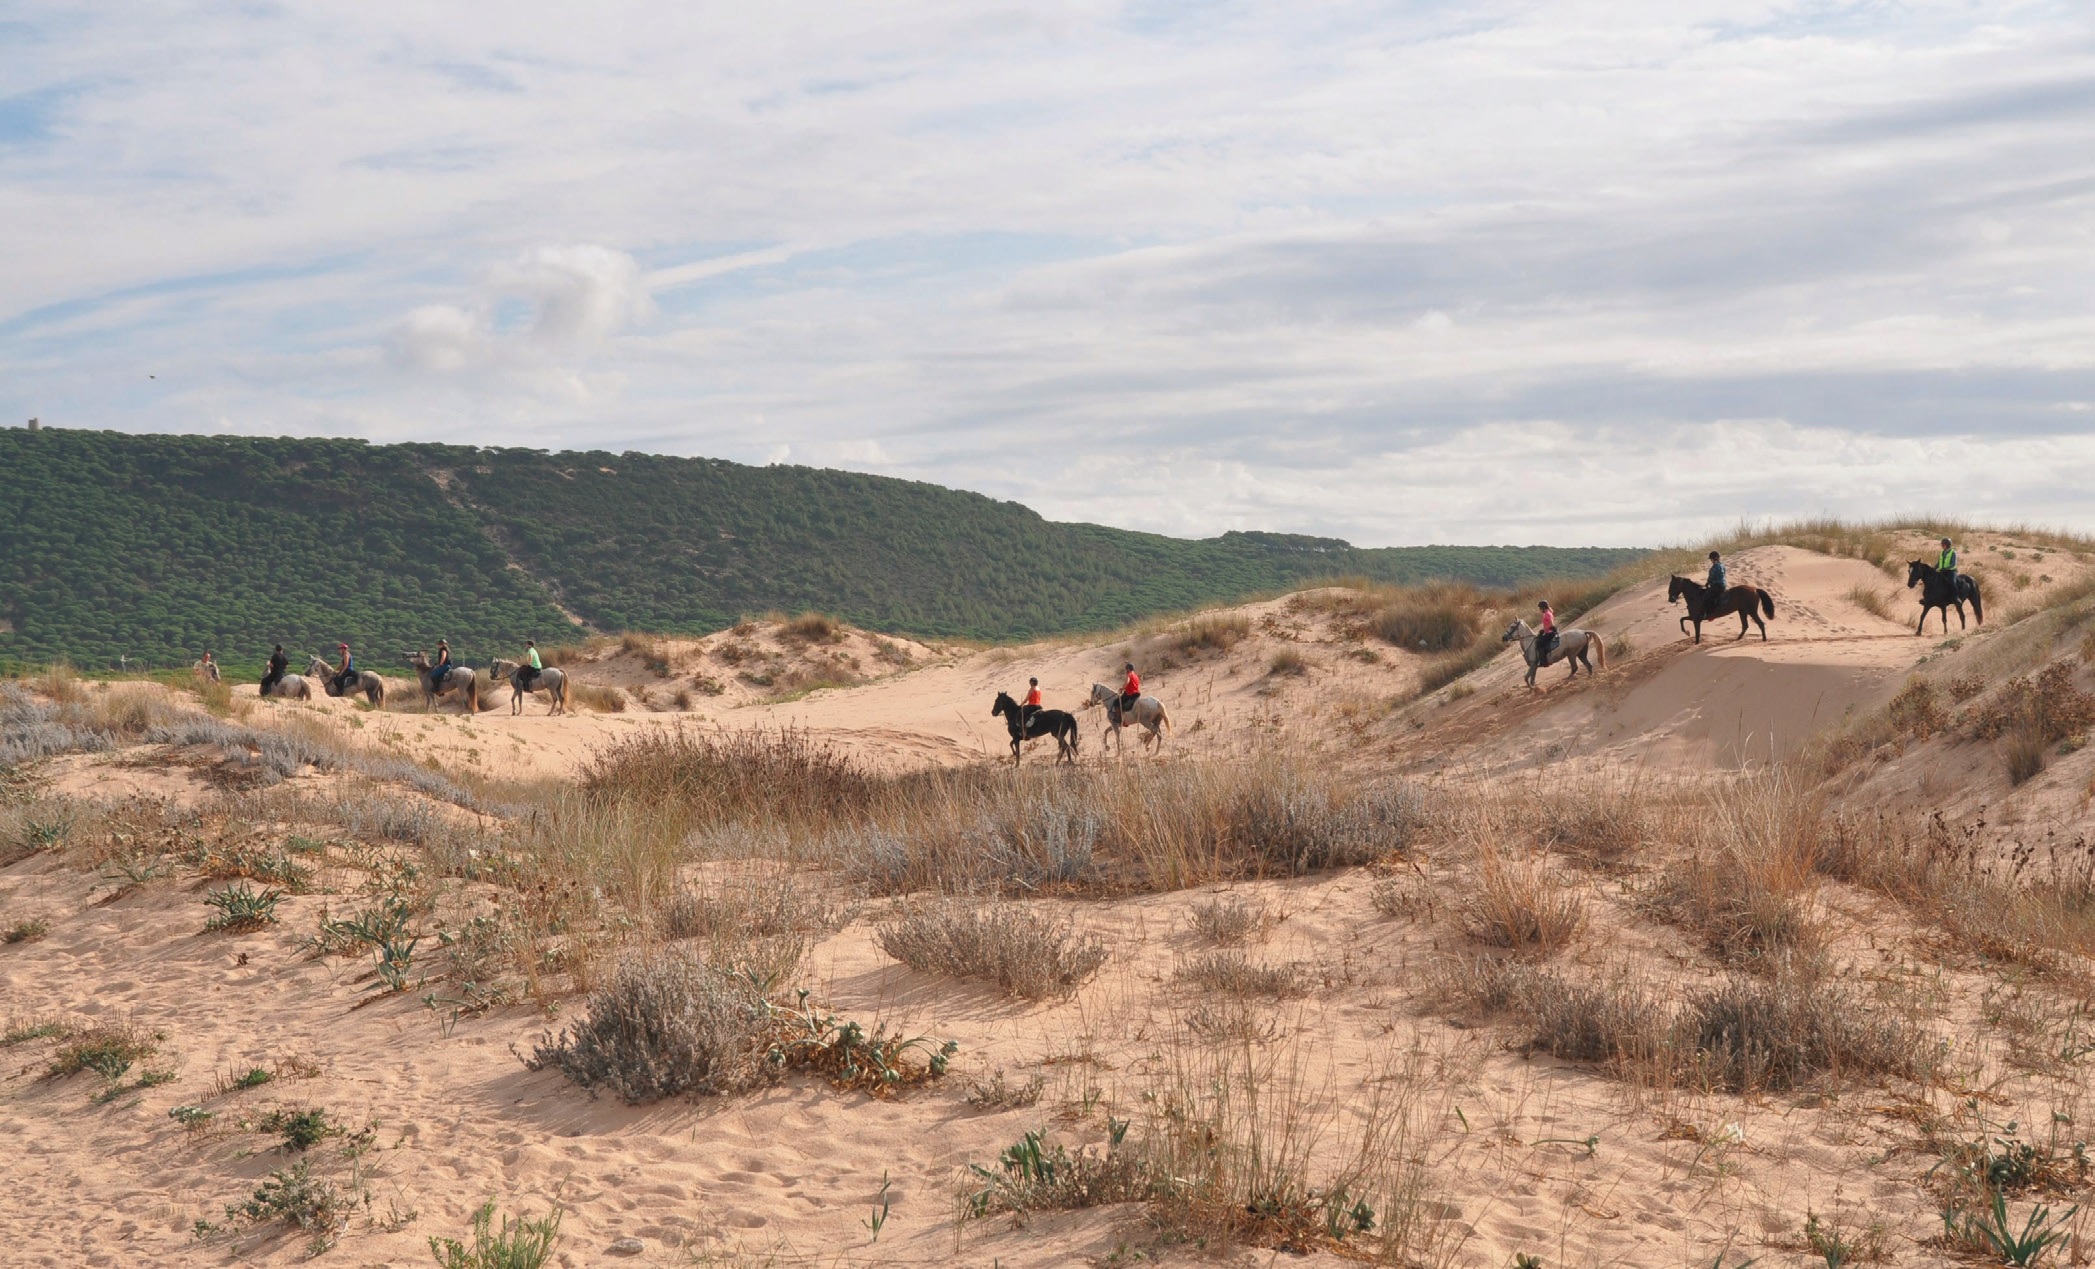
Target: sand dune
(1525,1153)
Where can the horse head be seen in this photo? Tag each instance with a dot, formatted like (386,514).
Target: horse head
(1673,591)
(1514,631)
(1005,705)
(1915,571)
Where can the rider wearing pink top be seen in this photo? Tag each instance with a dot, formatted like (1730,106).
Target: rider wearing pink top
(1546,634)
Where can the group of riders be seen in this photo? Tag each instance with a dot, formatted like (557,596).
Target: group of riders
(344,677)
(1130,692)
(530,666)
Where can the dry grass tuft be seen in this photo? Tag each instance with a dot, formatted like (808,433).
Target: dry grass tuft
(665,1023)
(1870,599)
(1288,663)
(1231,974)
(1210,632)
(1023,950)
(812,627)
(108,1048)
(596,696)
(1520,906)
(1432,620)
(1229,921)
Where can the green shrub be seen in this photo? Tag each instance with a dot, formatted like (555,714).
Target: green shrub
(522,1243)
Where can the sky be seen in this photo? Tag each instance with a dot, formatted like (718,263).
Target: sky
(1559,272)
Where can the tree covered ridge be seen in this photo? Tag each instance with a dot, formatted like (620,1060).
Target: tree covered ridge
(157,547)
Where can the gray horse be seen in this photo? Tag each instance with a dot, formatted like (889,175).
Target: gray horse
(1572,646)
(458,679)
(551,680)
(1149,714)
(292,688)
(367,682)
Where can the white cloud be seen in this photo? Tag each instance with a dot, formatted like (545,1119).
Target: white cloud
(574,298)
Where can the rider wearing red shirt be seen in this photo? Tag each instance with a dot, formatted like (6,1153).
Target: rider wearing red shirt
(1130,690)
(1546,635)
(1031,705)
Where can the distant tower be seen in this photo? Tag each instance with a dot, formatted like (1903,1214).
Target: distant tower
(34,425)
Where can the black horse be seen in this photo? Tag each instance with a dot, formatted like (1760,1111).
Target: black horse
(1059,723)
(1743,600)
(1935,593)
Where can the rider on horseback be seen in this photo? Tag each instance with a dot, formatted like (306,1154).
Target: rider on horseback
(1545,633)
(346,672)
(1946,564)
(1715,585)
(528,673)
(1031,705)
(278,663)
(1130,691)
(442,666)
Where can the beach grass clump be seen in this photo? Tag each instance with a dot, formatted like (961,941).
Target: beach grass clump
(522,1242)
(1025,951)
(664,1023)
(1233,974)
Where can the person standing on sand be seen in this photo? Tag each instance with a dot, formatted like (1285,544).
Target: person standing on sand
(207,669)
(278,664)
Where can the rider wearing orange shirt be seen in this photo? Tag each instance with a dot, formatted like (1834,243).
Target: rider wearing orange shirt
(1130,691)
(1031,705)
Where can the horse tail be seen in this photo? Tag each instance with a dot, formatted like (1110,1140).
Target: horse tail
(377,694)
(1767,603)
(473,695)
(1599,650)
(1978,606)
(1164,718)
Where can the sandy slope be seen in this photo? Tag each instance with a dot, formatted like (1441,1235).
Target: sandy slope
(792,1173)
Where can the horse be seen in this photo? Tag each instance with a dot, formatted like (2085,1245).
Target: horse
(1572,646)
(365,681)
(1743,600)
(1059,723)
(1935,593)
(1149,714)
(292,688)
(457,679)
(551,680)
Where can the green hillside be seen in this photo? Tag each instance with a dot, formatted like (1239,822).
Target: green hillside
(153,548)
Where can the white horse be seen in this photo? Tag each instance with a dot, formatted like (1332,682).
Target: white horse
(551,680)
(365,681)
(458,678)
(1572,646)
(1149,713)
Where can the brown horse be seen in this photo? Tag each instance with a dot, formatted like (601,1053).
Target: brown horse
(1746,601)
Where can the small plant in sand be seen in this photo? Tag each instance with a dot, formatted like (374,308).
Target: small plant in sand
(242,907)
(1229,921)
(1025,951)
(26,930)
(998,1094)
(1991,1232)
(25,1030)
(1230,974)
(521,1243)
(297,1198)
(301,1129)
(107,1048)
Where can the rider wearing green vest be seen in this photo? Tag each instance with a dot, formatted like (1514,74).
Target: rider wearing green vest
(1946,564)
(533,667)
